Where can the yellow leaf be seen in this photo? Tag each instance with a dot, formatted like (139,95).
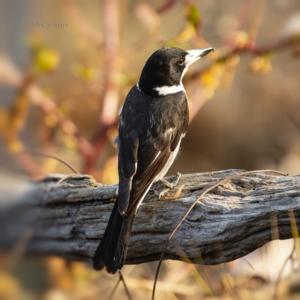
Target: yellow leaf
(70,141)
(49,166)
(186,34)
(110,171)
(261,64)
(256,64)
(211,77)
(14,144)
(233,60)
(241,39)
(84,72)
(50,120)
(46,59)
(112,133)
(267,66)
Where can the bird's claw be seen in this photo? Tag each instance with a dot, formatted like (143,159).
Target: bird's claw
(169,185)
(161,195)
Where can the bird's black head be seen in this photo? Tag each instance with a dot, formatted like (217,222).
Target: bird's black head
(165,68)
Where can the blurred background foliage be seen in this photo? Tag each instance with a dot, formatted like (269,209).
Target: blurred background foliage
(65,70)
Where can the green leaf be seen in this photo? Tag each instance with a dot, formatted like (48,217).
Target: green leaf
(194,16)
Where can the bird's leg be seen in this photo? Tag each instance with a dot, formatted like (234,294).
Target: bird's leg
(169,185)
(173,182)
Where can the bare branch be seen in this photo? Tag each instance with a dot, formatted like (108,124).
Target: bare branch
(230,221)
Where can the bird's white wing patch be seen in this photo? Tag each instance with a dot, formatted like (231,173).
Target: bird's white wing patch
(143,196)
(155,158)
(169,163)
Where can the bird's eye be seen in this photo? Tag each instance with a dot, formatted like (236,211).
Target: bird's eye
(181,61)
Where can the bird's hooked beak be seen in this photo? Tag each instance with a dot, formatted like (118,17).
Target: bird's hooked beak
(194,55)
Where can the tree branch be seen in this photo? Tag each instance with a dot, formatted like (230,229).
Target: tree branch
(236,218)
(285,42)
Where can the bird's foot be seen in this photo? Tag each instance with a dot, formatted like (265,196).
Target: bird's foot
(169,185)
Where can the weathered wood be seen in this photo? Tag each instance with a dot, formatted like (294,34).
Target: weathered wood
(234,219)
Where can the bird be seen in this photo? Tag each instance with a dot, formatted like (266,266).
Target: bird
(153,121)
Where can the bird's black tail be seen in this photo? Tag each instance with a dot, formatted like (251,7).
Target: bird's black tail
(111,252)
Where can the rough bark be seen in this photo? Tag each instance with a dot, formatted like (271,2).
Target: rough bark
(234,219)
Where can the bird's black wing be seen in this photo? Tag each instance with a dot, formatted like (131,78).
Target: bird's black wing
(149,132)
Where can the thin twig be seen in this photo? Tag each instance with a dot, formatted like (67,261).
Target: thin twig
(281,271)
(82,23)
(62,180)
(110,94)
(41,153)
(256,20)
(114,290)
(125,286)
(121,279)
(19,249)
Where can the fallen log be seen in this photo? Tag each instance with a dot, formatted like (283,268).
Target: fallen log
(239,216)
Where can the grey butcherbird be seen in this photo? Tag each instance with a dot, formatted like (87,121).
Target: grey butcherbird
(153,121)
